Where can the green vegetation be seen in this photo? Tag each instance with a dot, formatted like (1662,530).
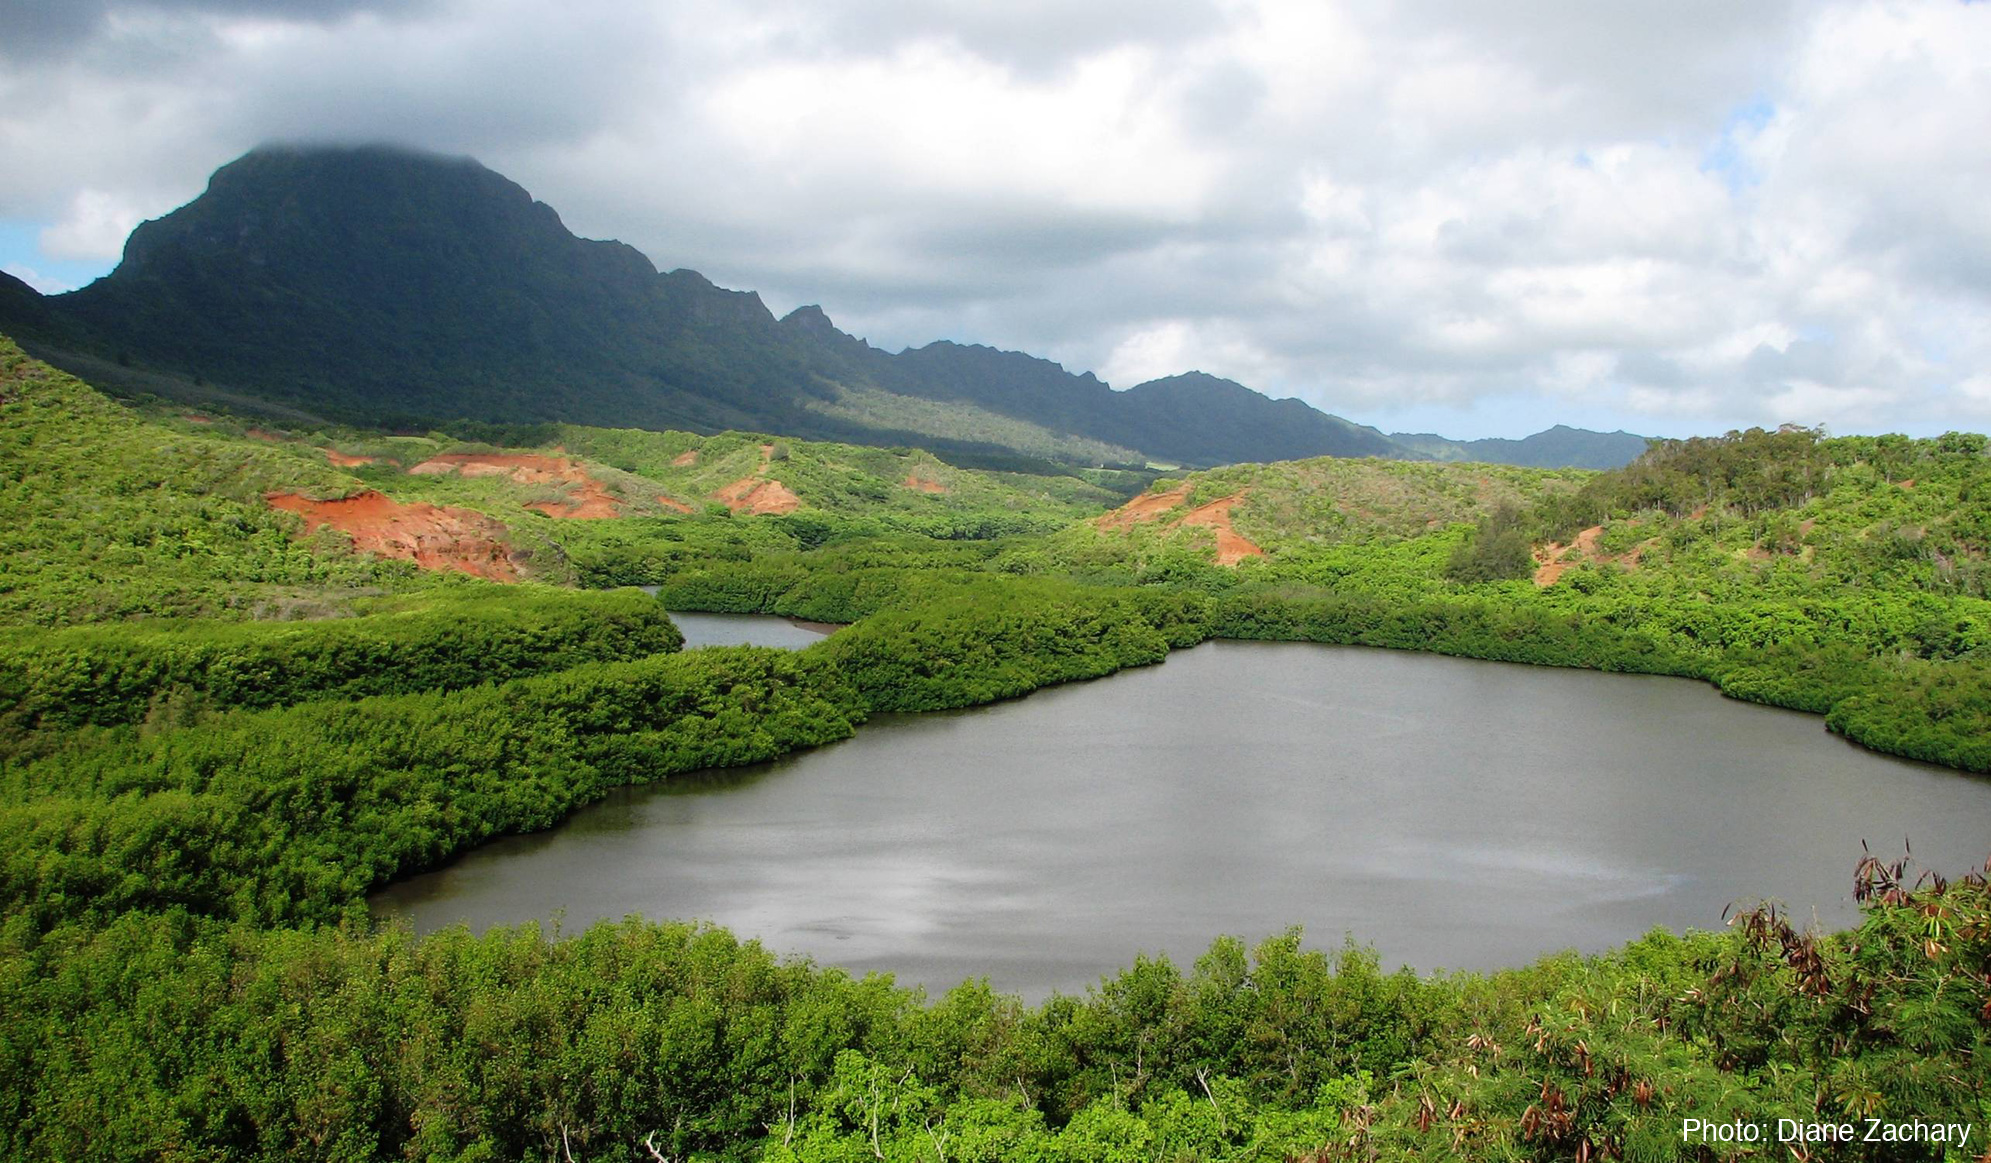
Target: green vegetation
(955,421)
(168,1036)
(217,735)
(287,816)
(104,516)
(171,673)
(1841,576)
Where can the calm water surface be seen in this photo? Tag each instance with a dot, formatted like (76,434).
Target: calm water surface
(747,630)
(1455,813)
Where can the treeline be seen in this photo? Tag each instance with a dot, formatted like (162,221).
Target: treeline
(927,639)
(1913,662)
(291,815)
(1882,497)
(994,641)
(175,1037)
(1938,712)
(1935,711)
(1751,471)
(1469,629)
(658,552)
(172,673)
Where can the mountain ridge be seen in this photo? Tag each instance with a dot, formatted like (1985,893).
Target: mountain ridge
(1557,447)
(390,286)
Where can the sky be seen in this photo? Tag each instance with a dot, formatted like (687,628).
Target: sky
(1427,215)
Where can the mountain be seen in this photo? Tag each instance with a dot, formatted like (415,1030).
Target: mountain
(1181,415)
(397,288)
(393,287)
(1559,447)
(1192,418)
(380,284)
(22,307)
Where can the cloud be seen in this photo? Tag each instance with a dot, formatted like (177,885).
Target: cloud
(39,29)
(1420,213)
(95,227)
(46,284)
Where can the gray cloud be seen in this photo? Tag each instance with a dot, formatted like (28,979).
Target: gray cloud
(1034,37)
(41,28)
(1668,218)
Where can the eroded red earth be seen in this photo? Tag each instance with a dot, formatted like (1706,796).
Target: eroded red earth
(587,498)
(1232,546)
(432,536)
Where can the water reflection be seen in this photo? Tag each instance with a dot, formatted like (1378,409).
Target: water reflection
(1455,813)
(747,629)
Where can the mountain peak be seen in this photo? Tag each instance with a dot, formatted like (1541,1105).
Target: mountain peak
(811,320)
(370,210)
(390,285)
(1194,380)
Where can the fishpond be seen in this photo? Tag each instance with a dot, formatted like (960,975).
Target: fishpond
(748,630)
(1453,813)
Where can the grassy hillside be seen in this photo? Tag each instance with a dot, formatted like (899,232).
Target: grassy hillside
(104,515)
(114,512)
(1329,500)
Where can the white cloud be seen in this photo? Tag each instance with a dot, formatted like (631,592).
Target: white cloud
(1670,217)
(1149,353)
(47,285)
(94,227)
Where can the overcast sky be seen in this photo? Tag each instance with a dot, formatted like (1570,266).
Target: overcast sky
(1446,215)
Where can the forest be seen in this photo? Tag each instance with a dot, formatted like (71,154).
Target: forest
(224,721)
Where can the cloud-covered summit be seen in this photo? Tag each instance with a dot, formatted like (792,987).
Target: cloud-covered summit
(1441,215)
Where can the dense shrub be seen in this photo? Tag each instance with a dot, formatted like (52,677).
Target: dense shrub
(123,673)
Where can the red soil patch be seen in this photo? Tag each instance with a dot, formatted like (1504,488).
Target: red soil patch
(668,503)
(921,485)
(263,434)
(1909,484)
(341,460)
(1555,559)
(588,499)
(431,536)
(198,419)
(685,459)
(1146,507)
(758,497)
(1232,546)
(528,468)
(589,507)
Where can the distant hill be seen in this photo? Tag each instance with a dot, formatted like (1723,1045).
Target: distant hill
(1252,509)
(1559,447)
(386,286)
